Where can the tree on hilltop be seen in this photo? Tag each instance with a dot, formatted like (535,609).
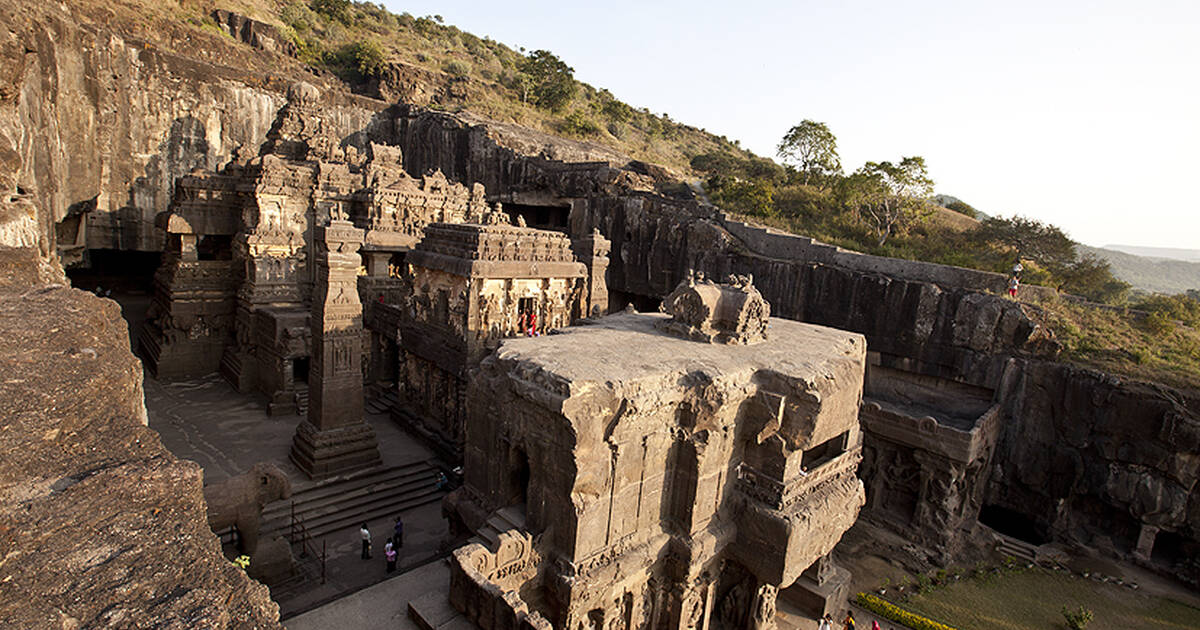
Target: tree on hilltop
(546,81)
(1042,243)
(890,197)
(811,148)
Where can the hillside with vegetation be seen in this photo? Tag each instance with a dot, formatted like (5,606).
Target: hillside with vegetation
(1154,275)
(378,53)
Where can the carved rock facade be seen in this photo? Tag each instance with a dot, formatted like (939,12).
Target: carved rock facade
(664,482)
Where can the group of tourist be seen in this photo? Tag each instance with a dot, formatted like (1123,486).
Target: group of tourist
(391,550)
(826,622)
(528,324)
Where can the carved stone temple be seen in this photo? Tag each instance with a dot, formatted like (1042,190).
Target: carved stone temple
(673,471)
(472,286)
(335,438)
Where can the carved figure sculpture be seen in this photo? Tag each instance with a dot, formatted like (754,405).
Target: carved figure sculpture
(764,608)
(238,501)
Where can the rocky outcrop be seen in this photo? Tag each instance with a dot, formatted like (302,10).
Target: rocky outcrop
(1093,458)
(100,526)
(98,126)
(249,31)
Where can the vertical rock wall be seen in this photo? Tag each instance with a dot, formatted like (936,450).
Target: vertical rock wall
(100,526)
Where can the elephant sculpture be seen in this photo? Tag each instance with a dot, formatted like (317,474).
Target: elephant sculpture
(238,501)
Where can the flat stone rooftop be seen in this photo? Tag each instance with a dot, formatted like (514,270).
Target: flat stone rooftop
(628,347)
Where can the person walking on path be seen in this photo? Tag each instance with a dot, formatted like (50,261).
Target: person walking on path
(398,533)
(365,534)
(1013,284)
(826,622)
(848,624)
(389,553)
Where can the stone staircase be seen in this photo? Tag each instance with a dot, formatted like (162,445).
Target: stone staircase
(381,401)
(1019,549)
(342,503)
(502,520)
(432,611)
(301,398)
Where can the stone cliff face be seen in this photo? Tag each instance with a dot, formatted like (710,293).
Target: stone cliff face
(1095,459)
(100,526)
(96,125)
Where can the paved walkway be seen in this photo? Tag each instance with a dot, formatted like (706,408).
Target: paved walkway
(379,607)
(207,421)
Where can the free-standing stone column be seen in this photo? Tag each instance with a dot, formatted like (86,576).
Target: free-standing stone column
(335,438)
(592,250)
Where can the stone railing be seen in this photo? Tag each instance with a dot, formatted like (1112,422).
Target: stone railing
(485,585)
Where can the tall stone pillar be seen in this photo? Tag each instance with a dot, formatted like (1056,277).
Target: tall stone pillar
(592,250)
(335,438)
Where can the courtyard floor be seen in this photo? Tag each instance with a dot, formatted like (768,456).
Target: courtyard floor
(207,421)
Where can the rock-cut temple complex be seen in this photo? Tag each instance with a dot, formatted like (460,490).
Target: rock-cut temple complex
(666,418)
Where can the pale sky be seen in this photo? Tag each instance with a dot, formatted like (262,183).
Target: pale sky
(1084,114)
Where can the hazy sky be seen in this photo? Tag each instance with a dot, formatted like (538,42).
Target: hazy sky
(1084,114)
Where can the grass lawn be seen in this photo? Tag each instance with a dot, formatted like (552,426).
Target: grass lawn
(1035,598)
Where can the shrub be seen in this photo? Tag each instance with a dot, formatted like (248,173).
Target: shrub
(364,57)
(338,10)
(457,68)
(576,123)
(1077,619)
(888,610)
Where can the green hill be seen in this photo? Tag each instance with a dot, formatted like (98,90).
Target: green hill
(1156,275)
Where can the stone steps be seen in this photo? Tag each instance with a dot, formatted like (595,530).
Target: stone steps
(341,504)
(301,398)
(502,520)
(382,402)
(1019,549)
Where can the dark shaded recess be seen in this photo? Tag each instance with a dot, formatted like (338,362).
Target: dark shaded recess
(825,451)
(540,217)
(300,366)
(618,300)
(123,271)
(1013,523)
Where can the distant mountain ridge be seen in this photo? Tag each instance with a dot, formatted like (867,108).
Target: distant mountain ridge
(1162,253)
(1156,274)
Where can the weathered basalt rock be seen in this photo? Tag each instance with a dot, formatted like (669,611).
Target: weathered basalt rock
(100,526)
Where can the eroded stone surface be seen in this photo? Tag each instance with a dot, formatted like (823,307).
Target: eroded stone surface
(100,526)
(663,479)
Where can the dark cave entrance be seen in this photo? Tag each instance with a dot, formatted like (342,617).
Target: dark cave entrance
(555,218)
(125,276)
(520,476)
(300,367)
(1170,548)
(618,300)
(1013,523)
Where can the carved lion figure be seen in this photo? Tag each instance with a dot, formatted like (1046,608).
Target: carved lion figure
(238,501)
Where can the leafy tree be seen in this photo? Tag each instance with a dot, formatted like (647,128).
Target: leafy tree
(547,82)
(364,57)
(890,197)
(1091,277)
(962,207)
(812,149)
(1032,240)
(755,197)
